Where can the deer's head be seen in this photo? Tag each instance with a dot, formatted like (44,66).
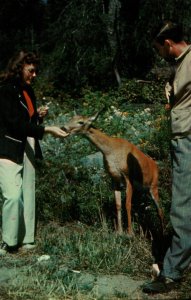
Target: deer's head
(79,124)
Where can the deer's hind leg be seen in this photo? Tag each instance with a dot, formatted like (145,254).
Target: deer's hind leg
(155,196)
(128,203)
(157,230)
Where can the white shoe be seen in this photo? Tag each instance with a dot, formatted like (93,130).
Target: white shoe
(28,246)
(155,271)
(3,249)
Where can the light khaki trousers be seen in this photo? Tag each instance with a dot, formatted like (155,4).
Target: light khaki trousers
(17,184)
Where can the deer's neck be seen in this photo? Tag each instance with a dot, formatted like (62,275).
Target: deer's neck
(99,139)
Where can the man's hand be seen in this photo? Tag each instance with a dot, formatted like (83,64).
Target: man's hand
(168,91)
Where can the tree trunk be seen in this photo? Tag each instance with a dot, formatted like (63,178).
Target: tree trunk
(112,11)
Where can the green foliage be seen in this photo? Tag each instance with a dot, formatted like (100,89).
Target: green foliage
(88,43)
(73,192)
(71,185)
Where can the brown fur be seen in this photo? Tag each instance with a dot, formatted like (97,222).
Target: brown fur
(124,162)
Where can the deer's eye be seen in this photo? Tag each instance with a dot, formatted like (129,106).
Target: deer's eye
(81,122)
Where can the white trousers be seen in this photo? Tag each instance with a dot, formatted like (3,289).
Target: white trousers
(17,184)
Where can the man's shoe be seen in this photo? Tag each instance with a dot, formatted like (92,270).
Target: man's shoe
(4,248)
(29,246)
(160,285)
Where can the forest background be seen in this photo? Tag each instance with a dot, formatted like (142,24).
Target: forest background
(92,42)
(93,53)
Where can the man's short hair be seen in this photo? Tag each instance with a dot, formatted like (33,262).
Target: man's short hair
(169,30)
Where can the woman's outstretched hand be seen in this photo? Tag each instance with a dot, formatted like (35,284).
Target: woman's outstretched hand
(56,131)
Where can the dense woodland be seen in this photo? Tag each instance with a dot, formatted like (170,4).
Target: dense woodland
(93,43)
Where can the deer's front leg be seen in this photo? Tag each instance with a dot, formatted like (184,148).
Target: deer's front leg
(118,209)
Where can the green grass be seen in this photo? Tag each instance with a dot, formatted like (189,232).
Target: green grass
(77,248)
(72,247)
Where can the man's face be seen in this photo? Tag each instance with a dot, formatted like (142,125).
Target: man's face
(165,51)
(29,72)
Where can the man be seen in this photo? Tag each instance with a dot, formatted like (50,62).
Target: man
(171,45)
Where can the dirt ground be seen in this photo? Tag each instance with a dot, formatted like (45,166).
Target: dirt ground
(103,287)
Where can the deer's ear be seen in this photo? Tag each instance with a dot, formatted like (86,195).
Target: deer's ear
(93,118)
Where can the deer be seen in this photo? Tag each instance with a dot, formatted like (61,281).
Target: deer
(124,162)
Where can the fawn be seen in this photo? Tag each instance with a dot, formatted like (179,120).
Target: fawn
(124,162)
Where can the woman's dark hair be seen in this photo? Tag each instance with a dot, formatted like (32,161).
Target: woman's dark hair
(16,63)
(169,30)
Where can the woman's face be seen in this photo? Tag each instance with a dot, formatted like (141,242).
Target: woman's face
(29,73)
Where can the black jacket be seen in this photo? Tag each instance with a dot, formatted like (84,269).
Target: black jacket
(15,122)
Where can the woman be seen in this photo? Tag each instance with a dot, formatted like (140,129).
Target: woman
(20,130)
